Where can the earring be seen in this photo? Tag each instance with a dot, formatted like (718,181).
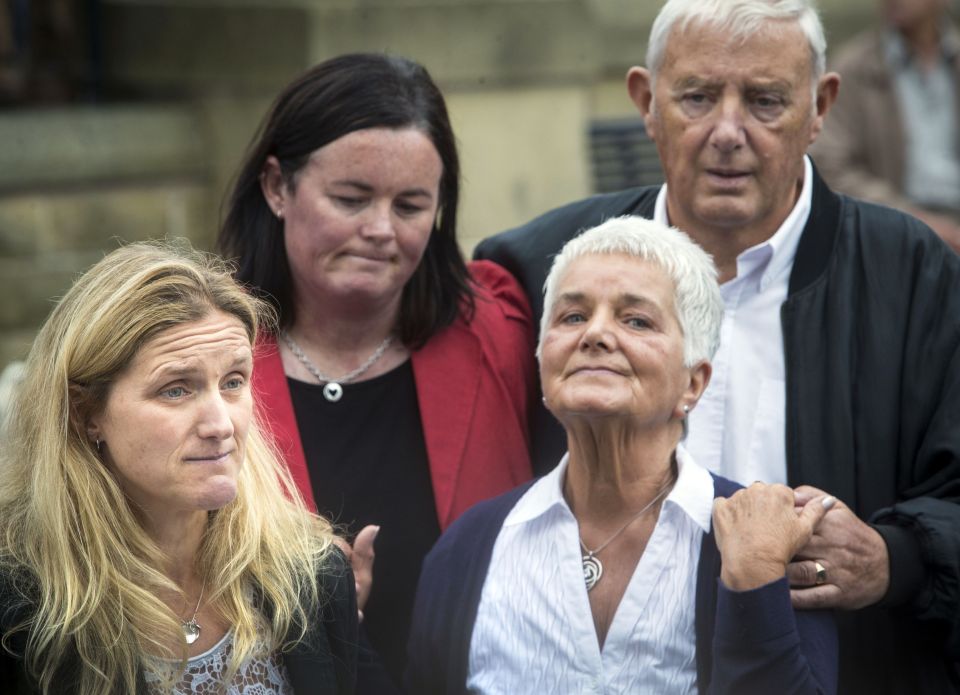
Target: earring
(99,444)
(686,409)
(280,213)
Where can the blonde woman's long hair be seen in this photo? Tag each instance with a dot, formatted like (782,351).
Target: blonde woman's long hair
(70,543)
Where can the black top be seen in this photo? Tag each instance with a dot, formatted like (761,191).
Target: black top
(368,465)
(324,662)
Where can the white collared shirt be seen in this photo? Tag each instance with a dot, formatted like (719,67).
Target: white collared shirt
(534,631)
(738,428)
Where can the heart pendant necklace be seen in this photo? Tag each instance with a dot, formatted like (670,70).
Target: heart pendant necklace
(191,628)
(333,388)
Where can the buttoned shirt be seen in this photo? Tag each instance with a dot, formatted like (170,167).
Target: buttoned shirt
(738,429)
(534,631)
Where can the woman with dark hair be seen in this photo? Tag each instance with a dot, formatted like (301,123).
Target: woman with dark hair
(398,384)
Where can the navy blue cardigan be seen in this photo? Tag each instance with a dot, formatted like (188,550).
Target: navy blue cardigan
(748,642)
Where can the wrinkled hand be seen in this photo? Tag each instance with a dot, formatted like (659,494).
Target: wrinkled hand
(853,554)
(361,557)
(758,530)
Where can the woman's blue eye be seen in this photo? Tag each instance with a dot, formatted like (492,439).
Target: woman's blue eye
(573,318)
(234,383)
(175,392)
(638,322)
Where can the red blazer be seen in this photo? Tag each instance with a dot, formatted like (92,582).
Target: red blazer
(474,386)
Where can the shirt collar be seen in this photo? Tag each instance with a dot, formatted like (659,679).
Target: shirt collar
(898,54)
(692,494)
(776,254)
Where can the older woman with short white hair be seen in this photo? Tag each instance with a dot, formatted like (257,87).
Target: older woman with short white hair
(618,571)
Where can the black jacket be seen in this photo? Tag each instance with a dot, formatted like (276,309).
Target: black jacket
(871,332)
(324,662)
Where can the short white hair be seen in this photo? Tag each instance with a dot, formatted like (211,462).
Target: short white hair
(697,299)
(739,19)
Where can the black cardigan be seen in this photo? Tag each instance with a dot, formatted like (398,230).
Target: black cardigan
(749,643)
(324,662)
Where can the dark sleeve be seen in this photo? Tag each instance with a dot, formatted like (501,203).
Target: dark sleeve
(372,676)
(12,611)
(324,659)
(11,674)
(448,595)
(922,529)
(442,621)
(761,645)
(923,542)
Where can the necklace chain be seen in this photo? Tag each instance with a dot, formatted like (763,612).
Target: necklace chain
(346,378)
(663,491)
(191,628)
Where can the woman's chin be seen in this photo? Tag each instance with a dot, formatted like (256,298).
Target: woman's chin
(592,408)
(217,494)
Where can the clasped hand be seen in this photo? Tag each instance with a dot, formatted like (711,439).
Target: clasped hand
(767,531)
(758,530)
(853,554)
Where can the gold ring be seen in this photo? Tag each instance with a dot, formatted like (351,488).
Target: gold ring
(821,573)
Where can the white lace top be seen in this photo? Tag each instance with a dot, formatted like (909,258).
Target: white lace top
(262,675)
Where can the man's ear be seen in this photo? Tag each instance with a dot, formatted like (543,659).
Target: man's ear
(827,90)
(640,88)
(273,185)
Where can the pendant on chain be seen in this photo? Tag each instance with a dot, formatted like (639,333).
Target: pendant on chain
(592,570)
(191,630)
(332,391)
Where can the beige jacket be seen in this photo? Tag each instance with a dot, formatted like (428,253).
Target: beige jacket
(861,150)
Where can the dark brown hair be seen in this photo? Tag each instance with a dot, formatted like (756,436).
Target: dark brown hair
(337,97)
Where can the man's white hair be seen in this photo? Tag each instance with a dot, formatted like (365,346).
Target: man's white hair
(739,19)
(697,299)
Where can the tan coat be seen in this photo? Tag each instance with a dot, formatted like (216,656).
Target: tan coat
(861,150)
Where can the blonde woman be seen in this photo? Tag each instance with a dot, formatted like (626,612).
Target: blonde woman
(150,541)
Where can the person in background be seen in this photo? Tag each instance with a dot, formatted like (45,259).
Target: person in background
(150,541)
(894,134)
(399,383)
(839,366)
(602,576)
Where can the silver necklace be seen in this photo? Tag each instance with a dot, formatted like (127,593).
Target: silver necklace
(332,388)
(191,628)
(592,567)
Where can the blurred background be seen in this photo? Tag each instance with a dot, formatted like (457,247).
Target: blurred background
(125,119)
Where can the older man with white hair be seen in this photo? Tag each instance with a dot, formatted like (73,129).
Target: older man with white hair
(839,363)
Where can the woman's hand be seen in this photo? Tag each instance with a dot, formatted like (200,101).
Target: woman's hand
(361,556)
(759,530)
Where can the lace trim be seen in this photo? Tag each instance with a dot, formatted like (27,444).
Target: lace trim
(259,675)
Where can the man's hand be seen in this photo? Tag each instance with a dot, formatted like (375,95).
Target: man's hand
(853,555)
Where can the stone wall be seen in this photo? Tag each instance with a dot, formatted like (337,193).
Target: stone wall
(74,182)
(185,84)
